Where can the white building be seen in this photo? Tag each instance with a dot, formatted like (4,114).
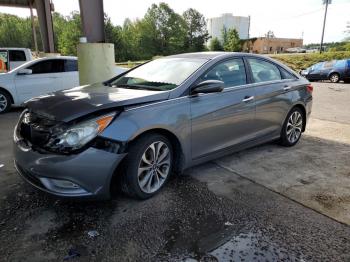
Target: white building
(240,23)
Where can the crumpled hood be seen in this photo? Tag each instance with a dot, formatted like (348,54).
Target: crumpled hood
(70,104)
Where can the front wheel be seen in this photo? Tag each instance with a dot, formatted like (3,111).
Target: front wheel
(292,127)
(5,102)
(334,78)
(148,166)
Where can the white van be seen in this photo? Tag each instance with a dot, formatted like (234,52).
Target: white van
(13,57)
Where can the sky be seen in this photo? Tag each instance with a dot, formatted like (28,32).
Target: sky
(290,19)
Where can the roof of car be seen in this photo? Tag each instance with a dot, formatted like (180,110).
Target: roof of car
(212,55)
(15,48)
(57,57)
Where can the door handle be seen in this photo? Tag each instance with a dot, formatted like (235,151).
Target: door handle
(286,88)
(248,98)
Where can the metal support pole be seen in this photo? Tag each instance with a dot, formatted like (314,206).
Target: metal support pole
(92,17)
(33,27)
(43,8)
(324,24)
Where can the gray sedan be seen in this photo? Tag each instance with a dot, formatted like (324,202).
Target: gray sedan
(135,130)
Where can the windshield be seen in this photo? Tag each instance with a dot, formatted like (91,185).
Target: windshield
(161,74)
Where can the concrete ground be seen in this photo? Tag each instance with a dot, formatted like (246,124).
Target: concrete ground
(267,203)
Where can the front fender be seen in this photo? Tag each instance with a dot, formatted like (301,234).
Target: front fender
(172,115)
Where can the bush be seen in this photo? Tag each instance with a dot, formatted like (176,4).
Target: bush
(301,61)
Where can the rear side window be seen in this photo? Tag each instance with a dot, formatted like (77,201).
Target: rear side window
(329,64)
(70,65)
(340,64)
(287,75)
(47,67)
(232,72)
(263,71)
(17,56)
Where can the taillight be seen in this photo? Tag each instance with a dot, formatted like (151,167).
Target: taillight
(309,88)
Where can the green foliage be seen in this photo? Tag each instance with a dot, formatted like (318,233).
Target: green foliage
(160,32)
(302,61)
(67,31)
(197,33)
(215,45)
(231,41)
(15,31)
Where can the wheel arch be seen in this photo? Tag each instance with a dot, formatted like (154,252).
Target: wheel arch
(9,93)
(179,163)
(303,109)
(175,142)
(333,72)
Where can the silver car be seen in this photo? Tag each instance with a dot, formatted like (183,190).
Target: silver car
(135,130)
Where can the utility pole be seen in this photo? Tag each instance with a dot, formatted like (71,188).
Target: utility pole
(325,2)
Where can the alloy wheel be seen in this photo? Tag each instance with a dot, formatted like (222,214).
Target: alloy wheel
(3,102)
(294,126)
(154,167)
(334,78)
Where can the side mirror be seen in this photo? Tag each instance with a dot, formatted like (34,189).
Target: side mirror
(24,71)
(208,86)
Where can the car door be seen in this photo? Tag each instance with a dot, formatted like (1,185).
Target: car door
(71,75)
(45,78)
(315,72)
(273,96)
(224,119)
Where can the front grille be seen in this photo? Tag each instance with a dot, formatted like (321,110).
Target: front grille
(35,129)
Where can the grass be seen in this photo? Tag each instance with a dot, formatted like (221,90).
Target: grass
(302,61)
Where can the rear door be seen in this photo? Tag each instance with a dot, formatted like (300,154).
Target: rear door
(272,95)
(17,58)
(46,77)
(71,75)
(221,120)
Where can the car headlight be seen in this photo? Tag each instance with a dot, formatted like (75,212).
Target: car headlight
(76,136)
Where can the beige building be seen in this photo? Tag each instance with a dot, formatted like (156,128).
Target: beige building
(271,45)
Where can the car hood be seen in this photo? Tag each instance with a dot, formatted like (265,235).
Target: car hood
(67,105)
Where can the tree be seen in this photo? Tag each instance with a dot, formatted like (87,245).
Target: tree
(170,28)
(67,32)
(197,33)
(232,43)
(215,45)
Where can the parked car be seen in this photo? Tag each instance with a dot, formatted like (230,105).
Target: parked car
(36,78)
(133,131)
(334,71)
(13,57)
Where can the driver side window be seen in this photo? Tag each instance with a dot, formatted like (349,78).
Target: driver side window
(232,72)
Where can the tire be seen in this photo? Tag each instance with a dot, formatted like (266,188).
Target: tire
(347,81)
(293,124)
(142,177)
(334,77)
(5,102)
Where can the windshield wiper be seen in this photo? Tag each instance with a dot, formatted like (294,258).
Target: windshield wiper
(138,87)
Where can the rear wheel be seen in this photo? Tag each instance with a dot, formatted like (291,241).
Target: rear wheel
(347,80)
(5,102)
(148,166)
(334,78)
(292,127)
